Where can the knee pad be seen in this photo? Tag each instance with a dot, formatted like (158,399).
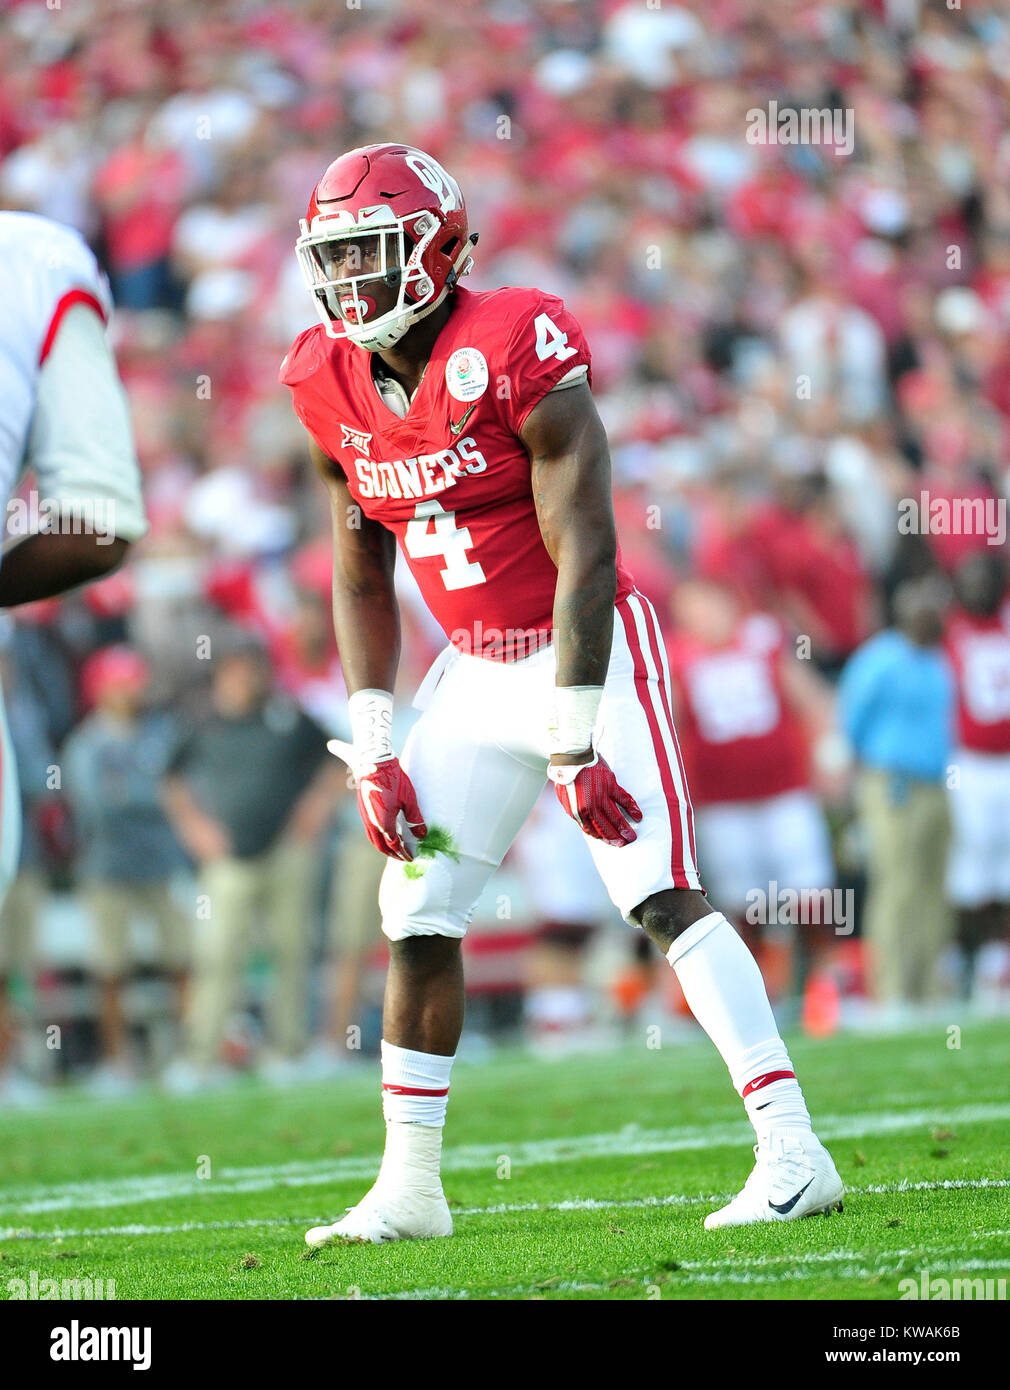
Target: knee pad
(420,904)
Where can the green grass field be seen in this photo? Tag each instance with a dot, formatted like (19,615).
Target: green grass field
(586,1178)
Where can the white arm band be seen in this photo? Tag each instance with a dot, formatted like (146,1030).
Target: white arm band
(371,714)
(574,717)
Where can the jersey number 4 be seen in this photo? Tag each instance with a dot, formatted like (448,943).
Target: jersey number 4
(551,342)
(433,531)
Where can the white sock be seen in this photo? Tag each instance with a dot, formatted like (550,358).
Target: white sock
(415,1093)
(724,990)
(415,1085)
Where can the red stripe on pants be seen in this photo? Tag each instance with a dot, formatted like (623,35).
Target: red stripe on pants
(655,645)
(673,800)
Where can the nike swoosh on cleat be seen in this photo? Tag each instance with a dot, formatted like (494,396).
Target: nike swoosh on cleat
(786,1207)
(466,415)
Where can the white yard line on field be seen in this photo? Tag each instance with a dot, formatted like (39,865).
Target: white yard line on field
(687,1273)
(743,1271)
(632,1141)
(136,1228)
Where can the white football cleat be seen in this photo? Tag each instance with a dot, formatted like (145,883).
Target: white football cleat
(382,1216)
(793,1176)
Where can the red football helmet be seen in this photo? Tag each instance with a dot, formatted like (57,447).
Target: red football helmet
(387,214)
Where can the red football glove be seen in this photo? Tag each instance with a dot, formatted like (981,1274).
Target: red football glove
(592,796)
(382,795)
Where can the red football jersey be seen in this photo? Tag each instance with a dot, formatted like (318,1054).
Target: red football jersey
(739,738)
(452,480)
(979,650)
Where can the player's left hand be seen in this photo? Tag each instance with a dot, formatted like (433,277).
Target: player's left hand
(595,800)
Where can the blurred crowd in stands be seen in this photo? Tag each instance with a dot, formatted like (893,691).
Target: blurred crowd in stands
(802,356)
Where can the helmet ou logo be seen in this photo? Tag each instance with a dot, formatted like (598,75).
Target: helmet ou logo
(433,176)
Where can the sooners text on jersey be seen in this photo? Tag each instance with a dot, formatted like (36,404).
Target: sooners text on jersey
(452,479)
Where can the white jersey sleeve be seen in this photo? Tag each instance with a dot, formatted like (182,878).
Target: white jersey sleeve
(62,408)
(80,446)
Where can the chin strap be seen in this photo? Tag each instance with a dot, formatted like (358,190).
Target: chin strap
(463,263)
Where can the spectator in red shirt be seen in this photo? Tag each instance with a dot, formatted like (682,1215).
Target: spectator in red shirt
(138,191)
(818,576)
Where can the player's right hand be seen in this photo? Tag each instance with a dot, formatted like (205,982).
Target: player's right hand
(383,793)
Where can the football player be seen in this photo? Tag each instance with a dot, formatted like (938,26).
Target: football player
(978,874)
(746,708)
(63,415)
(461,427)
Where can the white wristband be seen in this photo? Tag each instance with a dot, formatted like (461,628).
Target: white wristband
(574,718)
(371,714)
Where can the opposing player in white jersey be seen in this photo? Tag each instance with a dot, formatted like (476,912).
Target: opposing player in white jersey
(462,426)
(63,416)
